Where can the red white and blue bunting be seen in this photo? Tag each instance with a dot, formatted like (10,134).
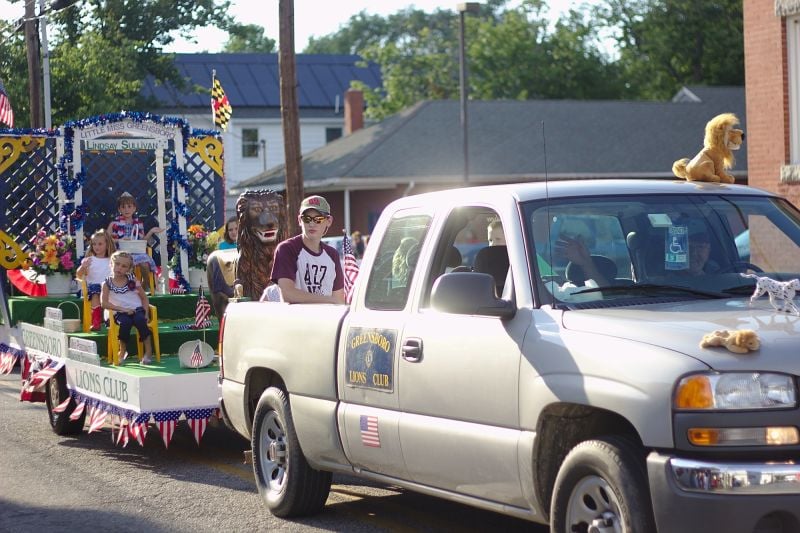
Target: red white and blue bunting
(8,357)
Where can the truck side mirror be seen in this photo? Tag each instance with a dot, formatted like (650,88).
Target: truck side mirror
(469,293)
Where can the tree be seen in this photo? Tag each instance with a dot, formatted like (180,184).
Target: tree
(248,38)
(102,51)
(665,44)
(511,53)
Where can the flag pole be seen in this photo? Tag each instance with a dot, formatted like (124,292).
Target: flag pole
(213,114)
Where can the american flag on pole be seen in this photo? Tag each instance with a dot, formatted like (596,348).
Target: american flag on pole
(197,356)
(202,311)
(166,421)
(370,435)
(6,113)
(350,268)
(220,106)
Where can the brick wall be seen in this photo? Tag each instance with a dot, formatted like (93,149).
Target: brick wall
(767,98)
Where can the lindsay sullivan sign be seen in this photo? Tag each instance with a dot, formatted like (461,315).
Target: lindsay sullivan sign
(370,358)
(125,144)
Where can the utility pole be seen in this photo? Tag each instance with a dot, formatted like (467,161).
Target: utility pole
(34,80)
(289,115)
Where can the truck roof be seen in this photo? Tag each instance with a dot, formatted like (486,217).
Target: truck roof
(523,192)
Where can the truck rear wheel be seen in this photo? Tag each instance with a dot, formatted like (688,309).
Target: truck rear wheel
(602,486)
(289,486)
(56,393)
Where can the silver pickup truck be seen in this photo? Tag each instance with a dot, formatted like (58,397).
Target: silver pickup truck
(507,378)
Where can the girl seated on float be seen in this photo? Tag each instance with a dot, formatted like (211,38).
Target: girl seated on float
(94,269)
(123,295)
(128,227)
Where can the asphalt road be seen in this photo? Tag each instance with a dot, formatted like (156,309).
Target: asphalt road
(52,483)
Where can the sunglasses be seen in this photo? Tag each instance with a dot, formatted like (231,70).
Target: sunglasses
(319,219)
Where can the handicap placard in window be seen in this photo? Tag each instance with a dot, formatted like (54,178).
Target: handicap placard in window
(676,248)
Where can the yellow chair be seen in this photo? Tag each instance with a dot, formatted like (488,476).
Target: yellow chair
(112,355)
(151,281)
(86,316)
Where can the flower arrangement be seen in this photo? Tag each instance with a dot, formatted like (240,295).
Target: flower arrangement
(52,253)
(199,246)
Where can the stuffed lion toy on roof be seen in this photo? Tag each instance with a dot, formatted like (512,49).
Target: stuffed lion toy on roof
(717,153)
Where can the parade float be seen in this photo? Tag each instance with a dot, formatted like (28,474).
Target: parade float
(65,182)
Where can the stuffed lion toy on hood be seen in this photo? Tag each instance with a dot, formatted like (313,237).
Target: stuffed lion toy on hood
(717,153)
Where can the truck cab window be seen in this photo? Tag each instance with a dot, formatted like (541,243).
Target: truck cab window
(394,268)
(473,241)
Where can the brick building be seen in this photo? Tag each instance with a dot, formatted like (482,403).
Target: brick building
(772,81)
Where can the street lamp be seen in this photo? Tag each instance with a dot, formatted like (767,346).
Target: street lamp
(463,9)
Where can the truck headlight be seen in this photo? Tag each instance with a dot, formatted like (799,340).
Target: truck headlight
(735,390)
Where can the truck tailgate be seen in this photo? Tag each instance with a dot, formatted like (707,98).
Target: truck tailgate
(298,341)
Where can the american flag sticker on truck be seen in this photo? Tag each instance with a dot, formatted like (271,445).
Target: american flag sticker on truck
(370,436)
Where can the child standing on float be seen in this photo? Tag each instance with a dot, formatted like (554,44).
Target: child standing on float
(128,227)
(124,296)
(95,268)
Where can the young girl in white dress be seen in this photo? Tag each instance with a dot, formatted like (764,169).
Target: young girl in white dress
(95,268)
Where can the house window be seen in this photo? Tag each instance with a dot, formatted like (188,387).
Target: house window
(331,134)
(249,143)
(791,172)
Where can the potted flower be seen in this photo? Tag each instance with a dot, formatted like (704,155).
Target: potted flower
(199,249)
(53,256)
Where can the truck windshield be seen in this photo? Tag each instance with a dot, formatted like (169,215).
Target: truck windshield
(589,250)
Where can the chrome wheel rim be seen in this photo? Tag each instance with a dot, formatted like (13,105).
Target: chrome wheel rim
(272,453)
(52,389)
(593,507)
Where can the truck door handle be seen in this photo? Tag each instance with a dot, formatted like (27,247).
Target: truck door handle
(412,350)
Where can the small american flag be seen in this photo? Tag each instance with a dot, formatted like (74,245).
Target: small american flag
(369,431)
(123,436)
(60,408)
(97,419)
(166,421)
(197,356)
(138,431)
(350,268)
(46,373)
(6,113)
(79,409)
(7,362)
(202,311)
(198,422)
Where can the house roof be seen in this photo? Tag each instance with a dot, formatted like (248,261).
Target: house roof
(508,140)
(252,80)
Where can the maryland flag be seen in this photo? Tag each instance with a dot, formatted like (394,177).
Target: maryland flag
(220,107)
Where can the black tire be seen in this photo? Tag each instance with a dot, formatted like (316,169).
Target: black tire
(603,483)
(289,486)
(55,393)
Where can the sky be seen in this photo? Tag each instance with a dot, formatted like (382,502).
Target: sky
(320,17)
(311,17)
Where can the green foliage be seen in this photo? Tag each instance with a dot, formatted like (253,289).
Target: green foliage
(517,53)
(248,38)
(665,44)
(102,51)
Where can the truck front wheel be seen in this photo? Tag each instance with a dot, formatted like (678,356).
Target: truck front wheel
(56,393)
(289,486)
(602,486)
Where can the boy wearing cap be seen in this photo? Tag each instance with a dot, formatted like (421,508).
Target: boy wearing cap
(306,269)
